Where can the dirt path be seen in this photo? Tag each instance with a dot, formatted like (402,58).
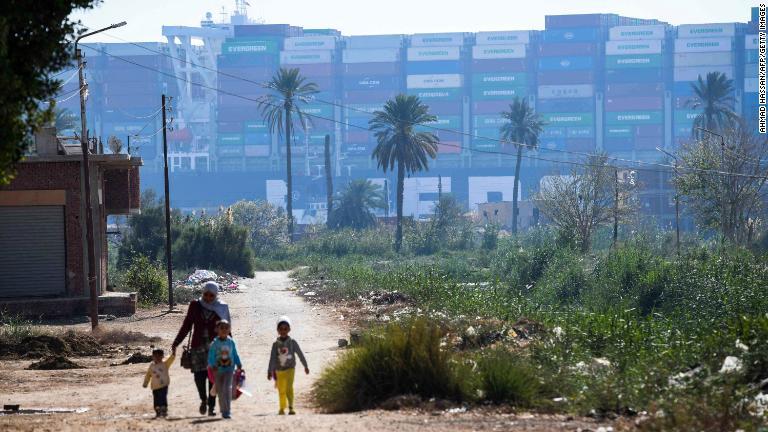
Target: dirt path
(115,400)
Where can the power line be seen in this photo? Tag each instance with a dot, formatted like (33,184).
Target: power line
(264,102)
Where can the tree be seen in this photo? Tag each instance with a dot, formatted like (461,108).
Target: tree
(280,109)
(714,97)
(146,231)
(580,203)
(523,128)
(115,144)
(266,223)
(34,46)
(399,144)
(450,225)
(354,205)
(728,203)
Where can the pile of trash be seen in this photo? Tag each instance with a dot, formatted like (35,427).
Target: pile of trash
(227,281)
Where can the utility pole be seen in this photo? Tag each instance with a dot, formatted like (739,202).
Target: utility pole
(128,143)
(439,194)
(386,198)
(616,207)
(328,180)
(86,180)
(168,260)
(677,200)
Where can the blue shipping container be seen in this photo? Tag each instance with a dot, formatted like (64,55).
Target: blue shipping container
(682,89)
(566,63)
(650,75)
(434,67)
(572,35)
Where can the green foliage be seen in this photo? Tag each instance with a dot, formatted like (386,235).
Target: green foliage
(266,223)
(490,237)
(13,329)
(214,243)
(507,378)
(353,207)
(564,280)
(400,359)
(34,47)
(147,279)
(519,266)
(339,243)
(145,235)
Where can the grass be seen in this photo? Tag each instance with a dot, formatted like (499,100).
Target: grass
(13,329)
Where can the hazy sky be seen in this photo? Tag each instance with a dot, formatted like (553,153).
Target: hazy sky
(146,17)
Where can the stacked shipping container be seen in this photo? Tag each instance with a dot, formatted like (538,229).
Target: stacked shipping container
(568,68)
(498,75)
(634,91)
(435,73)
(750,104)
(699,49)
(371,74)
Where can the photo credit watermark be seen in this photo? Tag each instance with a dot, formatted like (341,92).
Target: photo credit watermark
(761,72)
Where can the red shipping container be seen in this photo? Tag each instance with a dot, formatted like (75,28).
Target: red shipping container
(632,90)
(378,68)
(489,107)
(633,103)
(567,49)
(358,136)
(580,144)
(499,65)
(649,143)
(449,147)
(369,96)
(562,78)
(649,131)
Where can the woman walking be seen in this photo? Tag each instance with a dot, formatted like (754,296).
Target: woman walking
(202,316)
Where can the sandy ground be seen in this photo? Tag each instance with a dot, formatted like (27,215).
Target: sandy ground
(115,400)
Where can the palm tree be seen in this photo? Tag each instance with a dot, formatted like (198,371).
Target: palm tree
(522,129)
(354,205)
(280,109)
(714,96)
(399,143)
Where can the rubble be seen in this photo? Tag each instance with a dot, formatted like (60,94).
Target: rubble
(195,281)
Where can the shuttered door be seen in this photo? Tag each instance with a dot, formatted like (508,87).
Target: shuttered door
(32,257)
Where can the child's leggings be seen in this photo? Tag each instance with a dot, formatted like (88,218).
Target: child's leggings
(285,387)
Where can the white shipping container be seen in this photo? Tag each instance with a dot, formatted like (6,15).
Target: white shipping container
(704,59)
(479,187)
(129,49)
(306,57)
(310,43)
(502,37)
(437,39)
(637,32)
(566,91)
(751,42)
(434,53)
(276,192)
(498,51)
(433,81)
(706,30)
(703,45)
(414,189)
(374,41)
(750,85)
(371,55)
(633,47)
(693,73)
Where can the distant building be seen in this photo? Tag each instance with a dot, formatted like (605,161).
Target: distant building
(43,257)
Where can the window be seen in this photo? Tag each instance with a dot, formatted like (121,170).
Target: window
(494,197)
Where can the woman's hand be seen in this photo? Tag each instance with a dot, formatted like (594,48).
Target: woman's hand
(306,370)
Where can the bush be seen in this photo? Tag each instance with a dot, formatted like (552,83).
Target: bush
(564,281)
(371,242)
(214,243)
(148,280)
(266,223)
(506,378)
(490,237)
(400,359)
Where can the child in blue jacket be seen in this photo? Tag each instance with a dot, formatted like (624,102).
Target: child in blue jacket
(222,359)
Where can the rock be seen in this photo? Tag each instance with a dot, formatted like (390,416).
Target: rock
(732,364)
(343,343)
(470,332)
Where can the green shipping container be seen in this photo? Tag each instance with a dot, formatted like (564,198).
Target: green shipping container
(488,121)
(498,93)
(483,144)
(230,140)
(634,117)
(633,61)
(619,131)
(447,122)
(250,47)
(437,94)
(685,116)
(256,127)
(316,111)
(499,79)
(569,119)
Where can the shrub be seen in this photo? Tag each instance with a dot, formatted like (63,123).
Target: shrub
(214,243)
(147,279)
(490,237)
(564,280)
(399,359)
(266,223)
(506,378)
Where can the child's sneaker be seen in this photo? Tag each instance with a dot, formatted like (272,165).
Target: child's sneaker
(291,412)
(281,412)
(226,415)
(158,412)
(164,412)
(211,411)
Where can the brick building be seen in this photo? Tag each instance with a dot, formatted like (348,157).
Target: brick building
(43,254)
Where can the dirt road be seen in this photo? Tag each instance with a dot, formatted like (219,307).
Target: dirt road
(115,400)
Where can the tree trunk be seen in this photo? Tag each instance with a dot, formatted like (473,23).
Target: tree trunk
(328,180)
(515,210)
(400,188)
(289,178)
